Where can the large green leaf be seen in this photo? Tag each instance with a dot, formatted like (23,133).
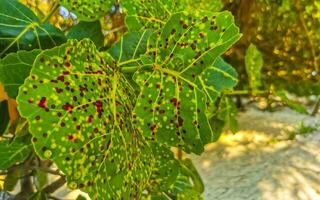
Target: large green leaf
(254,64)
(79,110)
(20,29)
(91,30)
(15,68)
(171,107)
(14,152)
(5,118)
(148,14)
(217,78)
(88,10)
(130,47)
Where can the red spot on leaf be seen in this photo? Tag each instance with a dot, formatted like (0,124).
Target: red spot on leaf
(68,107)
(42,103)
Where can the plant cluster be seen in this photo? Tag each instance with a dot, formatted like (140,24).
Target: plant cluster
(108,117)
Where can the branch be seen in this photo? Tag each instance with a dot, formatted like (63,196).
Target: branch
(55,185)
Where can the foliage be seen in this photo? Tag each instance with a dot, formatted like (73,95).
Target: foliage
(108,113)
(107,117)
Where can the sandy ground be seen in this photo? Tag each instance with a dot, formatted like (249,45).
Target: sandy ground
(260,163)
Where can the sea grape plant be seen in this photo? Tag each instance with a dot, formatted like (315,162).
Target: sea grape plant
(108,117)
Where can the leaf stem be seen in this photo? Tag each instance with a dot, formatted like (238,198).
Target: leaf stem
(316,107)
(54,186)
(52,11)
(246,92)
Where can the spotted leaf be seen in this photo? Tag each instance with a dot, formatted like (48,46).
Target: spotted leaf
(20,29)
(216,78)
(171,107)
(79,109)
(88,10)
(148,14)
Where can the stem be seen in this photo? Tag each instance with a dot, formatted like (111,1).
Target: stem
(179,154)
(52,11)
(54,186)
(246,92)
(316,107)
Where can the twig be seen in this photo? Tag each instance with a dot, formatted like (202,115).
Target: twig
(55,185)
(316,107)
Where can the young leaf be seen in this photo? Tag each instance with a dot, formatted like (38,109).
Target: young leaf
(89,10)
(130,47)
(254,64)
(217,78)
(15,68)
(91,30)
(12,178)
(148,14)
(171,107)
(290,103)
(79,110)
(20,29)
(5,118)
(227,112)
(13,152)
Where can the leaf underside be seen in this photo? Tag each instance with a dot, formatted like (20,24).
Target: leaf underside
(79,110)
(171,107)
(14,152)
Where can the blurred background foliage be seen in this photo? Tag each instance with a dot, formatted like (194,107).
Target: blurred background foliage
(286,32)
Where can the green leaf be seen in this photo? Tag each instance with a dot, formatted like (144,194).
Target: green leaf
(5,118)
(80,197)
(212,6)
(91,30)
(89,10)
(148,14)
(15,68)
(227,112)
(20,29)
(79,111)
(42,179)
(217,78)
(40,195)
(290,103)
(165,171)
(130,47)
(171,108)
(14,152)
(254,64)
(12,179)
